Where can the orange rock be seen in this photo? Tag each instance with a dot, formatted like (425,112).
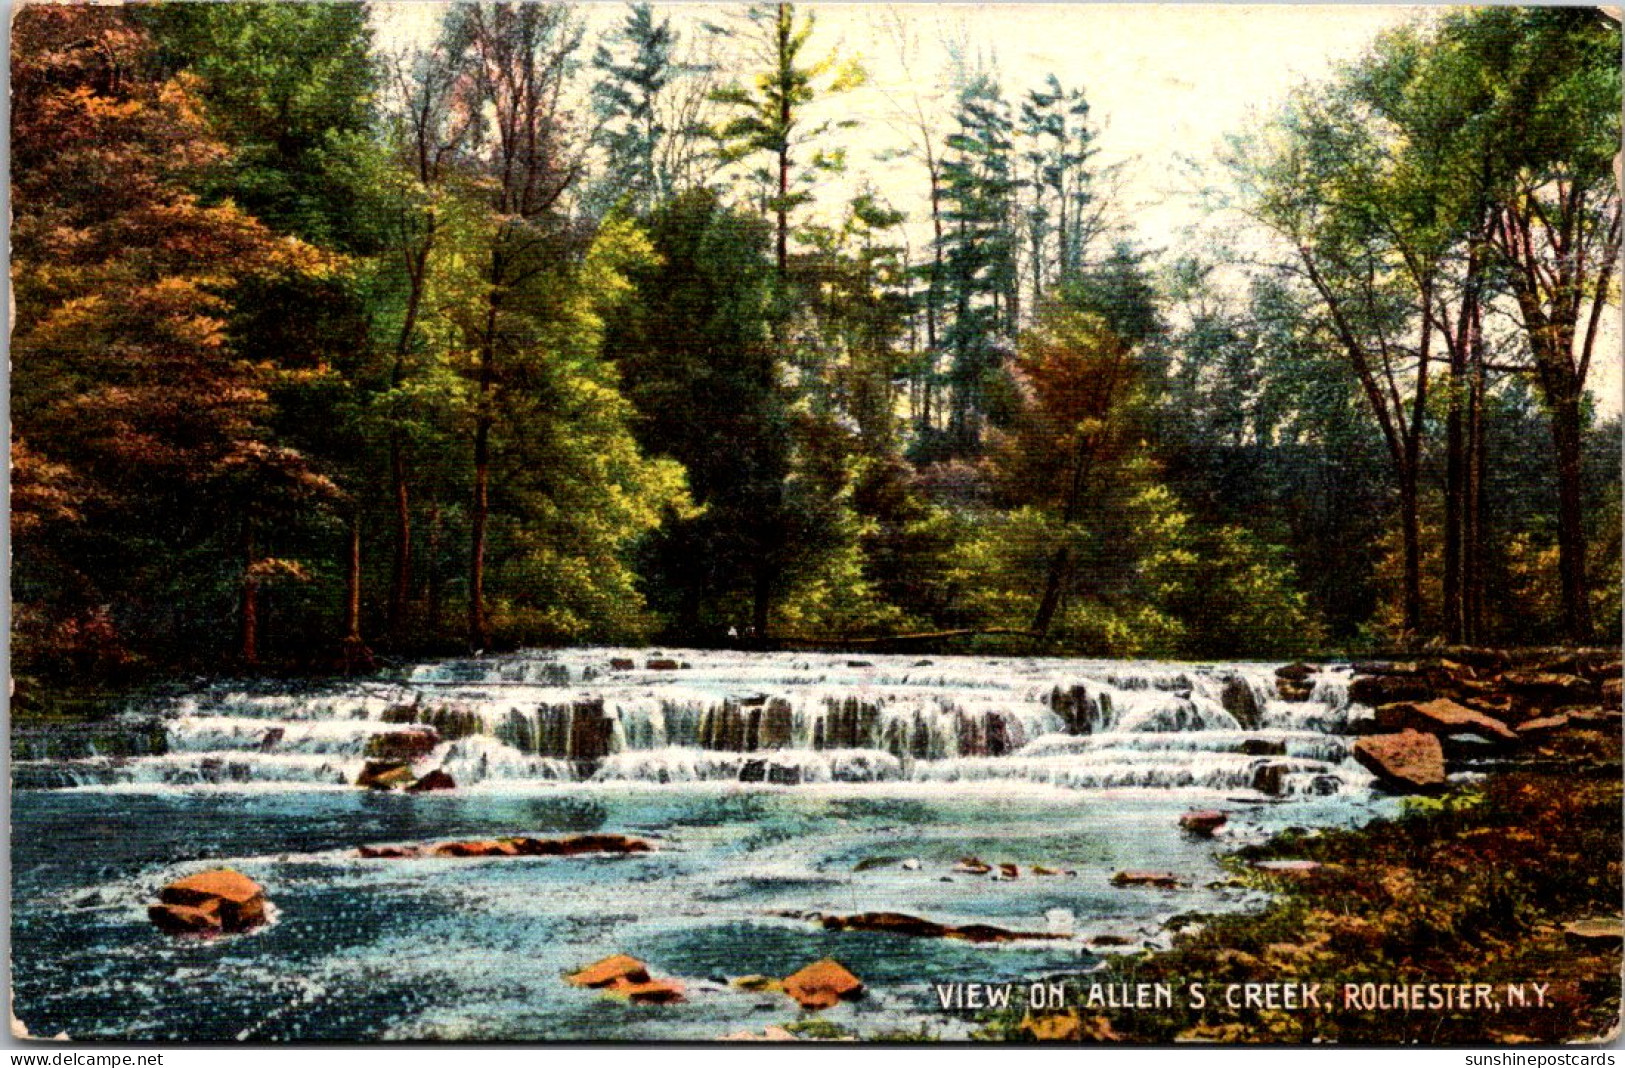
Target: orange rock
(493,848)
(239,900)
(611,970)
(823,983)
(388,852)
(1203,821)
(1442,716)
(1408,762)
(1009,871)
(186,919)
(652,992)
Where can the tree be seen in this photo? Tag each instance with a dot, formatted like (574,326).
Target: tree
(143,433)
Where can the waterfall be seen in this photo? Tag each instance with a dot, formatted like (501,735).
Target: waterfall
(776,719)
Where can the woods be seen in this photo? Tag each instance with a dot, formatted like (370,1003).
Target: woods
(532,331)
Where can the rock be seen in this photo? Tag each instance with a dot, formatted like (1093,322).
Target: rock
(1067,1027)
(758,984)
(1548,687)
(972,866)
(662,665)
(1269,779)
(1593,718)
(388,852)
(1160,879)
(911,864)
(238,900)
(1377,690)
(1111,940)
(1294,672)
(1262,747)
(922,663)
(1009,871)
(578,844)
(622,663)
(1238,700)
(490,848)
(438,779)
(859,663)
(1287,690)
(186,919)
(1442,716)
(385,775)
(1541,726)
(1598,933)
(402,746)
(868,863)
(652,992)
(821,984)
(771,1033)
(1408,762)
(1040,869)
(1203,821)
(271,739)
(887,922)
(619,968)
(1293,868)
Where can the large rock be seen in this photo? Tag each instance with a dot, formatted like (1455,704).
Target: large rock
(403,746)
(572,846)
(821,984)
(617,969)
(916,927)
(1375,690)
(1442,716)
(1163,880)
(1238,699)
(1270,779)
(1203,821)
(438,779)
(1407,762)
(385,775)
(237,901)
(1549,687)
(185,919)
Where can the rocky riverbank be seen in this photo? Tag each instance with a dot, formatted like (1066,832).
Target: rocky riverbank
(1507,874)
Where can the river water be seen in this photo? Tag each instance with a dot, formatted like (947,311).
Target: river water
(771,786)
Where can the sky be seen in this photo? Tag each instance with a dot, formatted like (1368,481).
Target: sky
(1166,84)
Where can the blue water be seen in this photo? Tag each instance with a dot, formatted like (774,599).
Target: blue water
(475,949)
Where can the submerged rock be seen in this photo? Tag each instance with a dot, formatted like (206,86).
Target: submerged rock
(438,779)
(1161,879)
(219,900)
(1408,762)
(822,984)
(385,775)
(1203,821)
(902,923)
(575,845)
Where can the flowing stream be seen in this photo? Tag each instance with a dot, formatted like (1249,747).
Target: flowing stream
(772,786)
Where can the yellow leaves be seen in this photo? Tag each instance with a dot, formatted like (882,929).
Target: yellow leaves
(278,569)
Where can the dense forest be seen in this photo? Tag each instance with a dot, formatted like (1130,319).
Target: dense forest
(324,350)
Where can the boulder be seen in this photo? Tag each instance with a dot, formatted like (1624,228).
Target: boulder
(1009,871)
(619,968)
(1262,747)
(1045,870)
(1598,933)
(823,983)
(1442,716)
(438,779)
(1203,821)
(1407,762)
(653,992)
(385,775)
(389,852)
(621,663)
(1111,940)
(1269,779)
(1161,879)
(186,919)
(859,663)
(271,739)
(972,866)
(1375,690)
(1541,726)
(1298,672)
(237,900)
(888,922)
(495,847)
(1238,699)
(661,665)
(1548,687)
(403,746)
(1296,869)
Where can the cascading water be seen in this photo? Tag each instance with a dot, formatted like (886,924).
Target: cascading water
(608,715)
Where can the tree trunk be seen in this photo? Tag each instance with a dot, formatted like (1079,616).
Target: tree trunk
(250,644)
(352,583)
(479,629)
(1455,501)
(762,601)
(1410,521)
(434,591)
(400,583)
(1571,543)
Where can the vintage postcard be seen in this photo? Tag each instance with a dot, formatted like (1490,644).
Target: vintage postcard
(1071,523)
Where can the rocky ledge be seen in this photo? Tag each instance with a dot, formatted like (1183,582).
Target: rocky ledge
(572,846)
(1439,713)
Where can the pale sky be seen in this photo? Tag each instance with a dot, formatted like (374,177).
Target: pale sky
(1166,84)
